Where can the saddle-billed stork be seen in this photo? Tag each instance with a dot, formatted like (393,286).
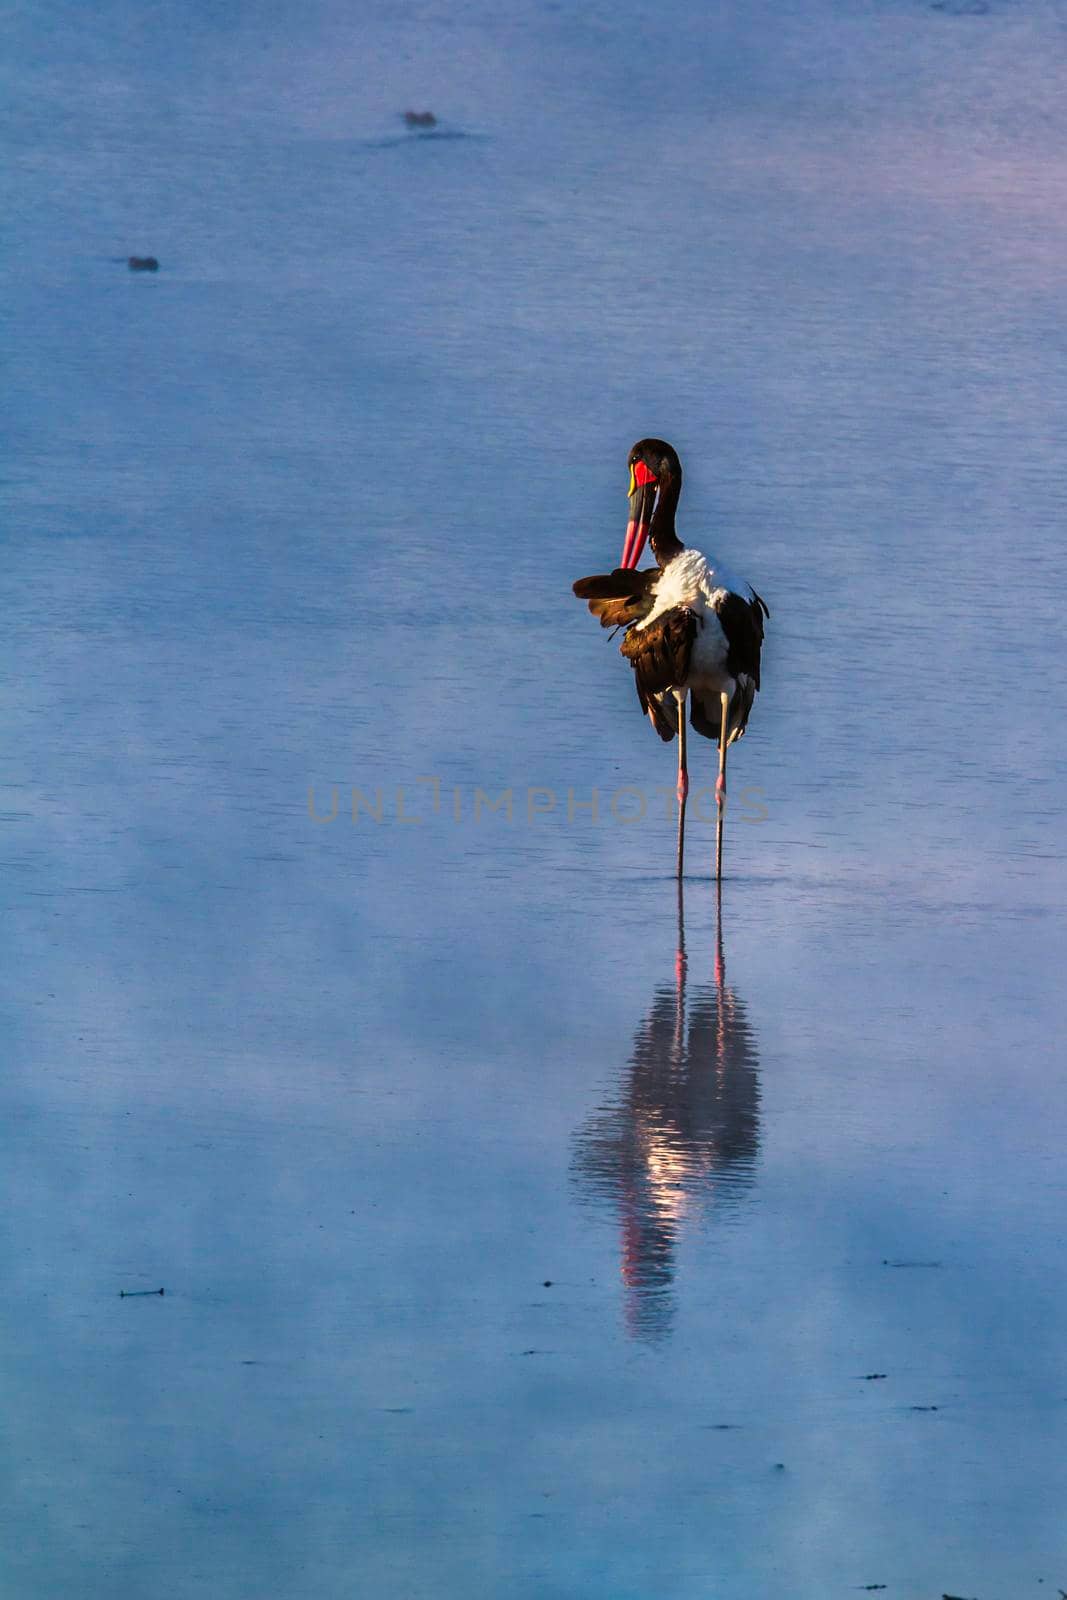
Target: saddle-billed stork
(692,629)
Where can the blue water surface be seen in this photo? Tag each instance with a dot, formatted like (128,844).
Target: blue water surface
(524,1232)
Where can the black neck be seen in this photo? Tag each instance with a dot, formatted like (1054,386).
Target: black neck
(661,535)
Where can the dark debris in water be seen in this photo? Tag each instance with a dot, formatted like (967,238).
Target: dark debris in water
(420,119)
(142,263)
(888,1263)
(961,8)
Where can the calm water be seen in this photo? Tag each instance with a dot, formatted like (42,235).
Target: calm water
(522,1232)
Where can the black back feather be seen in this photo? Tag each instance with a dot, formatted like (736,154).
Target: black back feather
(742,623)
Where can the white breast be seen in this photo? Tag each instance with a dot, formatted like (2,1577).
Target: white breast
(707,663)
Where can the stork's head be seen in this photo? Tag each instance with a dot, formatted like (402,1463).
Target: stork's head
(654,469)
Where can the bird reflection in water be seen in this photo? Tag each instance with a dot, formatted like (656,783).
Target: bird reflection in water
(680,1143)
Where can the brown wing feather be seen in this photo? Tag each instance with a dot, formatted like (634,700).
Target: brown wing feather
(659,655)
(620,597)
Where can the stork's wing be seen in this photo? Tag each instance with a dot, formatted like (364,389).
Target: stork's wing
(659,655)
(620,597)
(742,623)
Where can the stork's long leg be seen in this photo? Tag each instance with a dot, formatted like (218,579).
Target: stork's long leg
(720,784)
(683,778)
